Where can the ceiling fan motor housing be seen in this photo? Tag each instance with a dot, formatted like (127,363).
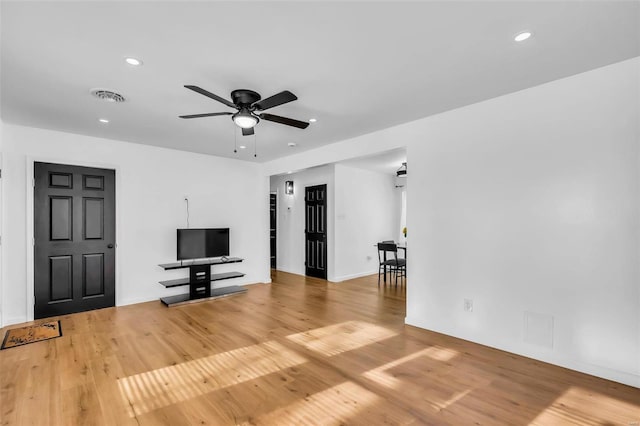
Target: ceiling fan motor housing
(242,97)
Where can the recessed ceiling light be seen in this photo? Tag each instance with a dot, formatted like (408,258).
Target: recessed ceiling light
(289,172)
(103,120)
(522,36)
(312,120)
(133,61)
(292,144)
(242,147)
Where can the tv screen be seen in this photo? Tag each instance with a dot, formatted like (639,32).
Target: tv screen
(203,243)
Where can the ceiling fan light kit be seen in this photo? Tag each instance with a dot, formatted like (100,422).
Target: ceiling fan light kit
(245,119)
(248,103)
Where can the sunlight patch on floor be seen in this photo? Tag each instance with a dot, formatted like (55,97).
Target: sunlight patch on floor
(385,376)
(586,407)
(158,388)
(338,338)
(335,405)
(441,405)
(382,376)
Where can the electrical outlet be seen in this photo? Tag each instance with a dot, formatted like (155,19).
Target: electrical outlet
(468,305)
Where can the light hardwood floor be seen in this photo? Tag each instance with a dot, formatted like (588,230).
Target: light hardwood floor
(298,351)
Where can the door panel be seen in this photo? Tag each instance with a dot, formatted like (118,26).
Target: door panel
(93,218)
(74,253)
(61,280)
(316,231)
(93,274)
(92,182)
(272,228)
(61,218)
(60,180)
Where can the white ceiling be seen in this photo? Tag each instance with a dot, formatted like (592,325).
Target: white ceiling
(387,162)
(355,66)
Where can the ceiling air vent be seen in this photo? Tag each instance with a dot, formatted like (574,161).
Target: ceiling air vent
(107,95)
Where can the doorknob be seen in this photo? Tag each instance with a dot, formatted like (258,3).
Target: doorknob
(110,246)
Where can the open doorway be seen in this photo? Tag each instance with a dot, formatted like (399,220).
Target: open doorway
(366,203)
(393,165)
(291,220)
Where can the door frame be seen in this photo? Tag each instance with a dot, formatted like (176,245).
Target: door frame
(30,169)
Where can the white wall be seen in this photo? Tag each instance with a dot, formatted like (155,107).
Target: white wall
(367,211)
(151,184)
(529,202)
(1,228)
(290,237)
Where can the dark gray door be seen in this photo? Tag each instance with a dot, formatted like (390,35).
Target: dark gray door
(316,231)
(272,228)
(74,214)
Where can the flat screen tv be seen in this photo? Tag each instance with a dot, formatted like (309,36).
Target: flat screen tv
(202,243)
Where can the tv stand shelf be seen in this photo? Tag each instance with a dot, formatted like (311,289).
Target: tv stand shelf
(188,263)
(200,279)
(216,293)
(214,277)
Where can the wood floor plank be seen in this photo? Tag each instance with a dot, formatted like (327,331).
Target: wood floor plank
(297,351)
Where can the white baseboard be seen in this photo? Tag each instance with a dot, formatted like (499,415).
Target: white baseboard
(14,320)
(352,276)
(623,377)
(136,300)
(331,278)
(290,271)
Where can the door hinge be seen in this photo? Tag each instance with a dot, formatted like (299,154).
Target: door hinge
(33,242)
(33,182)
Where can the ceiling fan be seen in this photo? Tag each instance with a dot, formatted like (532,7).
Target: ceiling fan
(249,106)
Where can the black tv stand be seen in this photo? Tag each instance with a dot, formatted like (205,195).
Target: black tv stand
(200,279)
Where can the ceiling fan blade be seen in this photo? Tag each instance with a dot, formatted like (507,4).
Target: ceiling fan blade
(210,95)
(247,132)
(210,114)
(275,100)
(284,120)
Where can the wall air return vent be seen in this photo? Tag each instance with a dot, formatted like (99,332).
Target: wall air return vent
(107,95)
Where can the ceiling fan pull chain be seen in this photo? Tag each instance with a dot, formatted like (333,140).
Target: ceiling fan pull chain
(235,140)
(255,150)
